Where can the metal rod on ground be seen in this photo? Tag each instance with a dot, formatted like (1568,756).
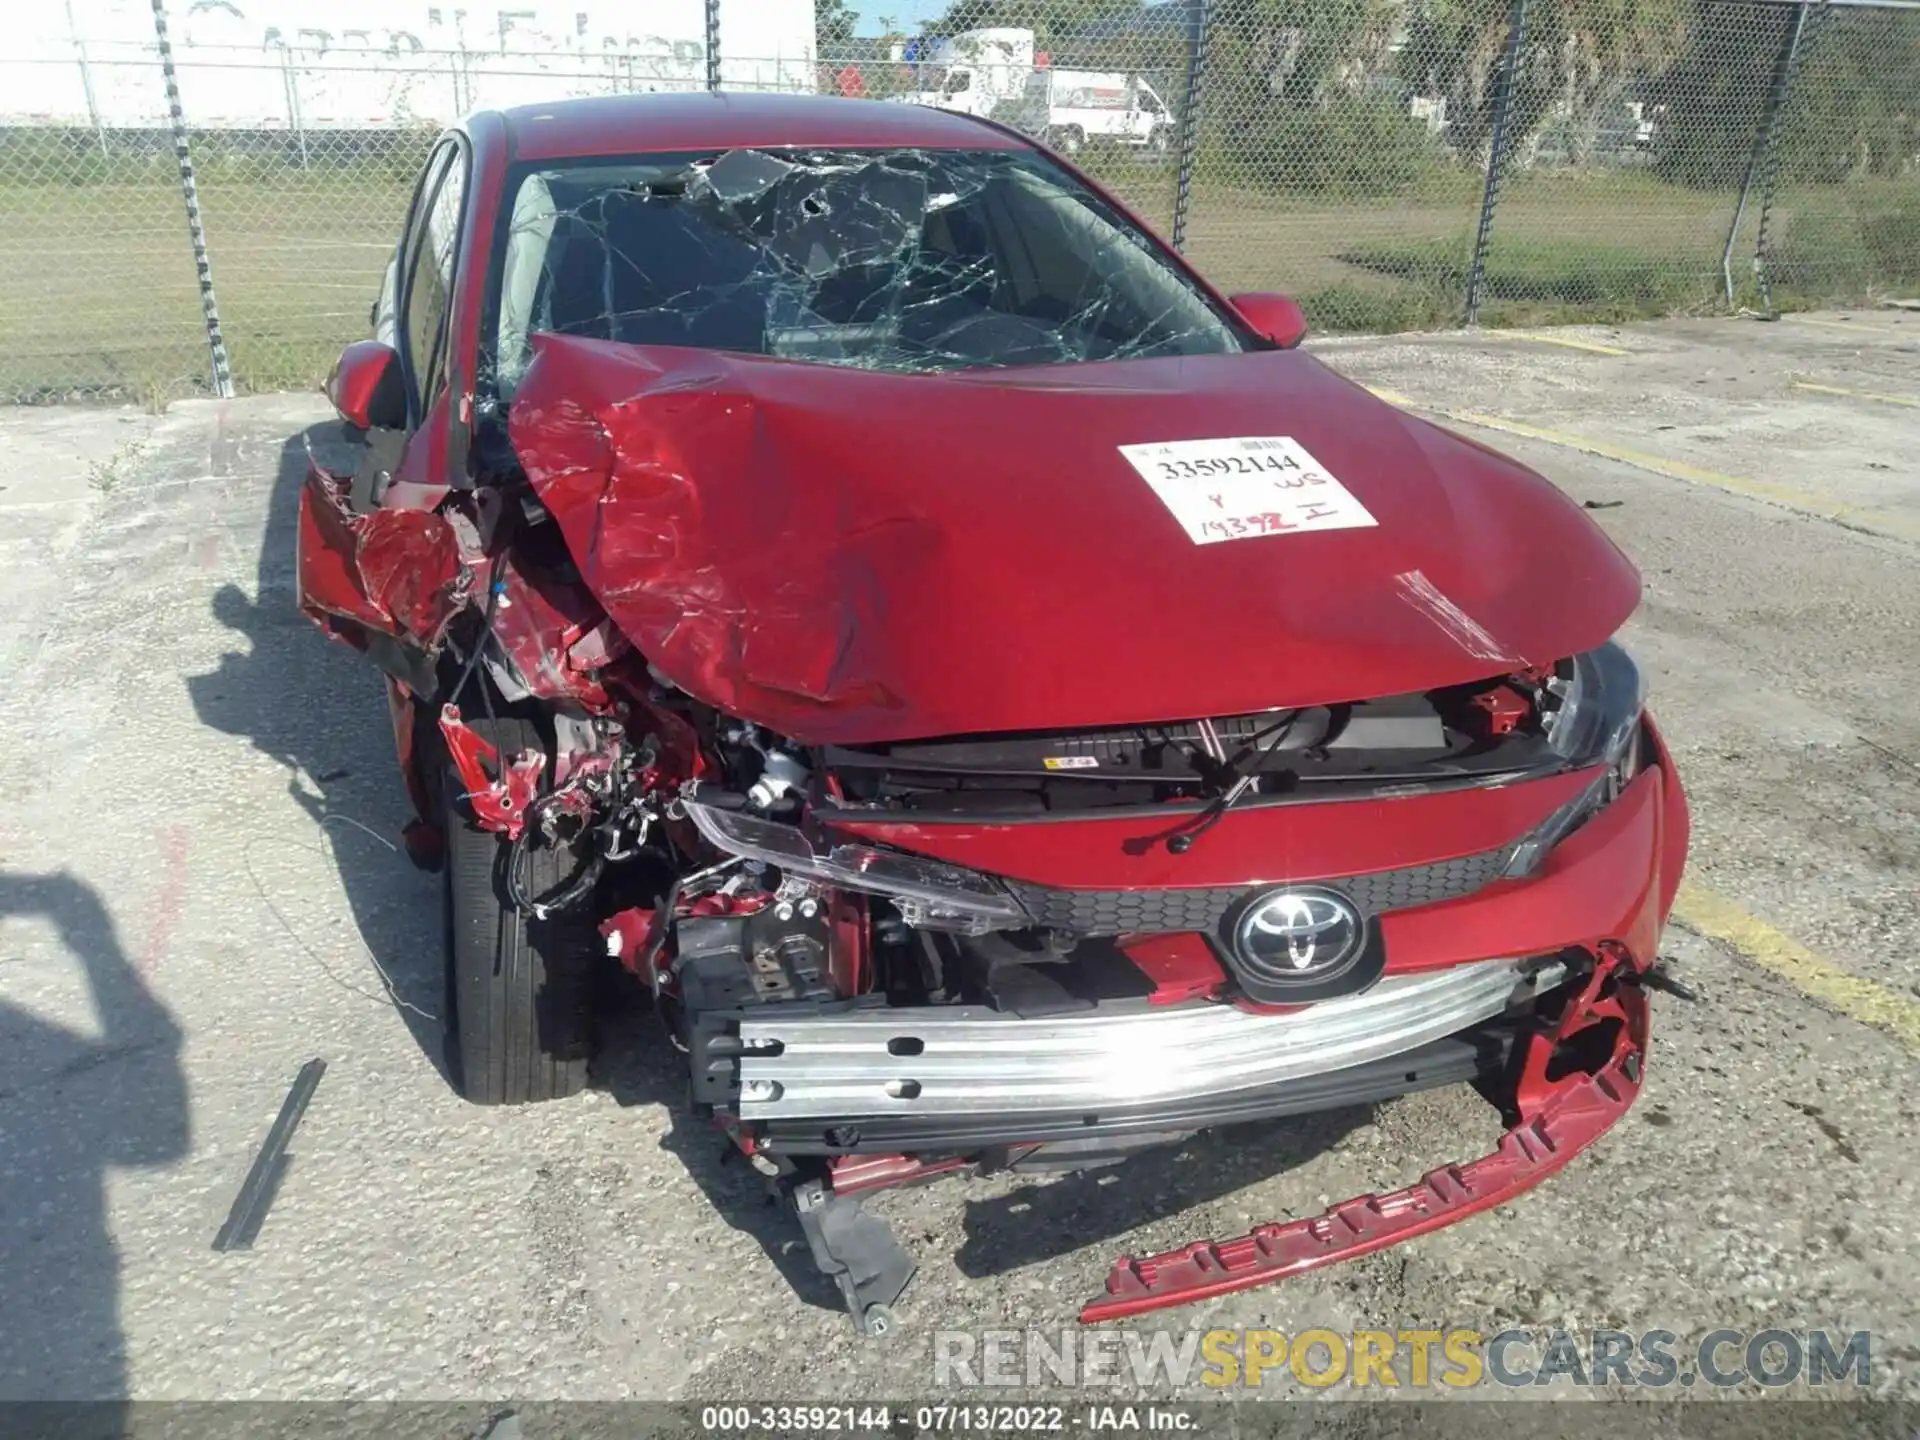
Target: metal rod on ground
(257,1190)
(1190,118)
(713,44)
(1763,137)
(222,370)
(1805,25)
(1496,157)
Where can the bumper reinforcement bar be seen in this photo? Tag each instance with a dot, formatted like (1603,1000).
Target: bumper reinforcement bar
(965,1061)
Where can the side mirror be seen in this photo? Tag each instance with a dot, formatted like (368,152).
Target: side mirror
(366,387)
(1278,317)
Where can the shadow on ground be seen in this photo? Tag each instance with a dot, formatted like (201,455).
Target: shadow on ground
(72,1108)
(1046,1219)
(639,1066)
(319,710)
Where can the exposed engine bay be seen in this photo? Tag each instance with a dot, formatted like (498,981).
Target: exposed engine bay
(718,836)
(660,785)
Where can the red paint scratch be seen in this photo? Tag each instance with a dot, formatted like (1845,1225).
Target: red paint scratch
(172,901)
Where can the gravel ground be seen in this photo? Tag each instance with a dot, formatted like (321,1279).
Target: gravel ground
(198,894)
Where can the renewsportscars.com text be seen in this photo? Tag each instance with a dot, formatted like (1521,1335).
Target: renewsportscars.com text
(1453,1359)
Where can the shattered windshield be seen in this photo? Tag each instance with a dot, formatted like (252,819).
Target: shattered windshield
(903,260)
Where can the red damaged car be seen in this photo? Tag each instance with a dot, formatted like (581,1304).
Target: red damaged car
(1007,703)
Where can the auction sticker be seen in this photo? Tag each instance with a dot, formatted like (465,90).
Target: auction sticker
(1238,488)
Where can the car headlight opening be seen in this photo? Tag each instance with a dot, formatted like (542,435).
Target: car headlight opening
(1602,695)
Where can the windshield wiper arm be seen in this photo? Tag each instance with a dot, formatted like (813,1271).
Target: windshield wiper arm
(1182,839)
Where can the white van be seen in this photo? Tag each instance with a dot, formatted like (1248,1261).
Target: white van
(1071,109)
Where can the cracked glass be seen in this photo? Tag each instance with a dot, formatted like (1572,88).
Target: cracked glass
(898,260)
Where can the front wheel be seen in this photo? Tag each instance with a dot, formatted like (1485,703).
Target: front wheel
(1071,140)
(518,993)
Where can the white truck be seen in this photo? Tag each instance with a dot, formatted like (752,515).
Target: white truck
(302,65)
(998,73)
(1072,109)
(974,71)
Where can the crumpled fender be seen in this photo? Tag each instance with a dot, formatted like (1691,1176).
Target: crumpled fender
(650,470)
(394,573)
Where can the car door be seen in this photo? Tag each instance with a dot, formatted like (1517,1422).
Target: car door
(378,567)
(427,262)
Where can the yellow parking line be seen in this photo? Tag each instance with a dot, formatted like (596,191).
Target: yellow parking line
(1864,1000)
(1883,398)
(1392,397)
(1568,341)
(1856,326)
(1900,526)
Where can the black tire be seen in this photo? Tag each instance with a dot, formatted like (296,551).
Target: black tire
(519,989)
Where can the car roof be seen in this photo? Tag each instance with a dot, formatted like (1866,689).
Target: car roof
(701,120)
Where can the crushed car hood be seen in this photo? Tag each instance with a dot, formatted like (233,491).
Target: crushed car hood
(848,555)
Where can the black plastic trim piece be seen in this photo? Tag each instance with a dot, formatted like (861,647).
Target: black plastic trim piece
(1346,789)
(857,1251)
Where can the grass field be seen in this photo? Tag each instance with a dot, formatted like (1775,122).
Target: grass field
(1566,247)
(98,295)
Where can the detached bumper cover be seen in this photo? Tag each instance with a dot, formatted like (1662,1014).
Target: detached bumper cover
(972,1062)
(1558,1118)
(1642,840)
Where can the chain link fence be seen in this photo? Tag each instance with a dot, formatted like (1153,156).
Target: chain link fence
(1394,164)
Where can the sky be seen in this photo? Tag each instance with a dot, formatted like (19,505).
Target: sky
(907,14)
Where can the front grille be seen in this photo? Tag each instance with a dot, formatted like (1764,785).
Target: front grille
(1146,912)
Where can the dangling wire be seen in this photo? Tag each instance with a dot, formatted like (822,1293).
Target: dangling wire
(495,590)
(565,897)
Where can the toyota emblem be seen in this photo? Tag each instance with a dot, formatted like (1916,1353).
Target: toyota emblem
(1299,934)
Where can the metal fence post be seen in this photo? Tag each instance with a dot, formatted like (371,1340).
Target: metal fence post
(86,83)
(196,232)
(1804,27)
(1496,157)
(1763,137)
(1190,118)
(713,44)
(294,117)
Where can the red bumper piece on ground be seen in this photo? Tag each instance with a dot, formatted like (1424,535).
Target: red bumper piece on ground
(1559,1118)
